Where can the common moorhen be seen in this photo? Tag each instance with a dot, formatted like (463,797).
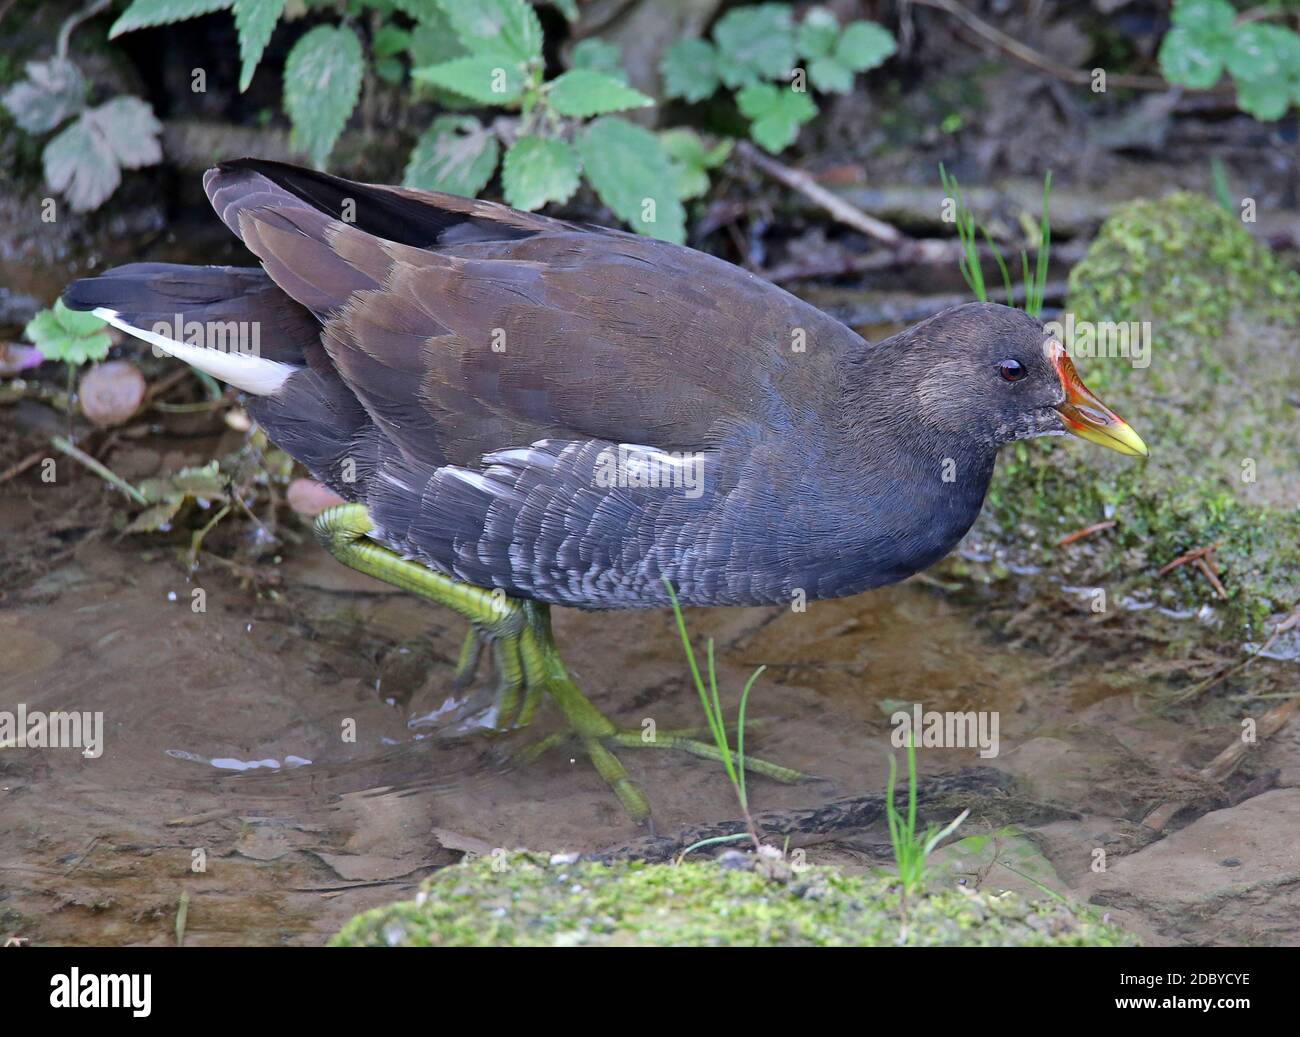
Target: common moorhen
(524,411)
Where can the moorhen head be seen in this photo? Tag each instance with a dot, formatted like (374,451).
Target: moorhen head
(579,416)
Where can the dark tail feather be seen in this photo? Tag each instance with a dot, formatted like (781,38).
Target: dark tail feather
(146,294)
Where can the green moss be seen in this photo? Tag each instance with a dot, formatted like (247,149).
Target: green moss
(1217,406)
(522,899)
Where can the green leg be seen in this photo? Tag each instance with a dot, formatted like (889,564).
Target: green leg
(524,653)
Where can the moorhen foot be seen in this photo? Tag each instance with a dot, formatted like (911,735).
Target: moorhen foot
(525,412)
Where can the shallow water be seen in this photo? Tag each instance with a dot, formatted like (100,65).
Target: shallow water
(289,762)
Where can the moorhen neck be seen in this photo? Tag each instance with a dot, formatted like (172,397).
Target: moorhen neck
(580,416)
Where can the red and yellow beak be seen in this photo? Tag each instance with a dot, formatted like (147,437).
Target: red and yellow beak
(1085,415)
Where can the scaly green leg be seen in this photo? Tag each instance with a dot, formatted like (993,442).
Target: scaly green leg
(524,653)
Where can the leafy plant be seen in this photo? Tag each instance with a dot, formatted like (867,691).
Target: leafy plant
(62,334)
(755,48)
(467,56)
(969,262)
(84,161)
(911,849)
(1207,38)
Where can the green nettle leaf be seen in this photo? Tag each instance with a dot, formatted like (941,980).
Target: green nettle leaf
(818,33)
(538,170)
(389,41)
(52,91)
(776,114)
(755,43)
(633,176)
(322,80)
(691,160)
(68,335)
(494,78)
(145,13)
(433,41)
(690,70)
(599,56)
(455,154)
(508,26)
(581,92)
(255,20)
(390,70)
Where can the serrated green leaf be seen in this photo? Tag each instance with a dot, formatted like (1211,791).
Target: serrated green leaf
(1265,99)
(538,170)
(508,26)
(322,81)
(690,70)
(581,92)
(143,14)
(433,41)
(776,114)
(52,91)
(255,20)
(79,164)
(389,41)
(829,76)
(864,45)
(68,335)
(455,154)
(487,78)
(157,516)
(1257,52)
(755,43)
(131,130)
(390,70)
(691,160)
(1184,60)
(630,172)
(1204,17)
(818,33)
(599,56)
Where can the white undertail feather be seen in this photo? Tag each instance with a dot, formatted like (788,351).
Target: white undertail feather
(249,373)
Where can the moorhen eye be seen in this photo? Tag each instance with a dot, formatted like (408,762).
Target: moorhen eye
(1011,370)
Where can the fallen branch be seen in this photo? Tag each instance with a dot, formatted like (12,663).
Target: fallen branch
(842,211)
(1227,761)
(1203,559)
(1087,531)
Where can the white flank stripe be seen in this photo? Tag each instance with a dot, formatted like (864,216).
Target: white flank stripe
(250,373)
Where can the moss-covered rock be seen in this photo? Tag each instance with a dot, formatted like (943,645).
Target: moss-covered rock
(524,899)
(1218,405)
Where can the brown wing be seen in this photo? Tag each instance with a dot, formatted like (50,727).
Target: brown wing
(465,327)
